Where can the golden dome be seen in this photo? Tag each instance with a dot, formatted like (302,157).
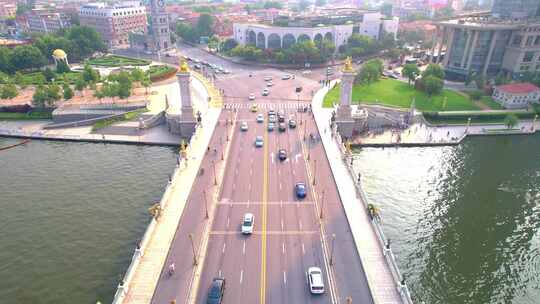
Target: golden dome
(59,54)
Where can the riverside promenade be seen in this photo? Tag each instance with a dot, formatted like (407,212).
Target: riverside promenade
(383,276)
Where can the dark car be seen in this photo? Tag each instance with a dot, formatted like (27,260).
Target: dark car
(271,112)
(282,154)
(300,190)
(282,127)
(215,294)
(292,123)
(281,117)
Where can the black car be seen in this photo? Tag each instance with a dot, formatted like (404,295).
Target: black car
(281,118)
(292,123)
(271,112)
(282,127)
(215,294)
(282,154)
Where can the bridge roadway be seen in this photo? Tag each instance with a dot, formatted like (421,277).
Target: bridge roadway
(289,236)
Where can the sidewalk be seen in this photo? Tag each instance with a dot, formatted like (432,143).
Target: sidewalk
(379,275)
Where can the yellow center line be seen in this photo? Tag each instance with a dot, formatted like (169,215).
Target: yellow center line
(263,218)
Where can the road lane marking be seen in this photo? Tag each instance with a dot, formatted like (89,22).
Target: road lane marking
(264,219)
(220,273)
(283,248)
(293,173)
(244,248)
(224,245)
(285,277)
(303,249)
(282,225)
(241,275)
(228,221)
(300,224)
(280,186)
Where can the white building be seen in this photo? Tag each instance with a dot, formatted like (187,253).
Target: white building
(516,95)
(373,23)
(264,36)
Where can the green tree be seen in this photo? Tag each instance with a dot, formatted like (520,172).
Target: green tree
(6,54)
(62,67)
(320,2)
(302,5)
(50,42)
(40,97)
(501,79)
(124,85)
(228,45)
(370,71)
(90,75)
(48,74)
(511,120)
(273,4)
(204,25)
(22,8)
(87,41)
(213,43)
(137,75)
(53,94)
(68,92)
(476,94)
(433,70)
(410,71)
(444,12)
(27,57)
(146,83)
(9,91)
(432,85)
(386,9)
(80,84)
(187,32)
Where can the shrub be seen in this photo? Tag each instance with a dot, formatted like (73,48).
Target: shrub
(476,94)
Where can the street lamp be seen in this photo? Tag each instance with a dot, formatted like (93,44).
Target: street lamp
(314,170)
(205,203)
(332,250)
(214,167)
(195,262)
(322,205)
(533,127)
(468,124)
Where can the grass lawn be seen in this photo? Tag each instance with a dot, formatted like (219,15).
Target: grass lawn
(159,72)
(488,101)
(394,93)
(117,61)
(107,122)
(26,116)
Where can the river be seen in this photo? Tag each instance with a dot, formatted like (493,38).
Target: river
(464,220)
(71,215)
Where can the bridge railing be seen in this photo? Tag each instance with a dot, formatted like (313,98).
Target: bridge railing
(385,242)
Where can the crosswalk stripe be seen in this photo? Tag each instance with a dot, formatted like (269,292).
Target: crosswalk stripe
(277,106)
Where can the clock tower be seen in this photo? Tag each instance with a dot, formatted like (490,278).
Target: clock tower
(160,25)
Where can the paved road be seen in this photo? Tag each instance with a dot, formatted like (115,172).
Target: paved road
(269,265)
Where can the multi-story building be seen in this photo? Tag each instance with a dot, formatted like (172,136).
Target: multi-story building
(46,21)
(488,44)
(160,25)
(516,8)
(114,22)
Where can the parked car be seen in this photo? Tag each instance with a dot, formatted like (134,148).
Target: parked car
(247,223)
(216,291)
(315,280)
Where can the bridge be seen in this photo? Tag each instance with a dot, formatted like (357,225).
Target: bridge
(224,175)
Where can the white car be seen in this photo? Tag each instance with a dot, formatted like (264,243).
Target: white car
(272,118)
(268,78)
(315,280)
(260,117)
(286,77)
(265,92)
(252,96)
(269,84)
(247,223)
(259,142)
(244,126)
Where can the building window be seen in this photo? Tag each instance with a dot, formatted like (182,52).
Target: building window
(530,40)
(524,68)
(516,40)
(528,57)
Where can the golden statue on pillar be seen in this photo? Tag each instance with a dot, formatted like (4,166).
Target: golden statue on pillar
(347,67)
(184,66)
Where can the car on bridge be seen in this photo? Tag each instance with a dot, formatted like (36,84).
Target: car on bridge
(259,141)
(260,118)
(282,154)
(271,126)
(251,96)
(267,78)
(243,126)
(265,92)
(217,289)
(315,280)
(300,190)
(286,77)
(247,223)
(272,118)
(292,123)
(282,127)
(254,108)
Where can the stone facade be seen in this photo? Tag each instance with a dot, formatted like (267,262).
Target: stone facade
(516,95)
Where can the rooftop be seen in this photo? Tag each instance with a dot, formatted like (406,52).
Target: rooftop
(518,88)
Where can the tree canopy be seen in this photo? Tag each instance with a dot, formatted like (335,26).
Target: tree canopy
(370,71)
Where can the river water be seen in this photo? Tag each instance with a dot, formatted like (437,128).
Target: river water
(71,215)
(464,221)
